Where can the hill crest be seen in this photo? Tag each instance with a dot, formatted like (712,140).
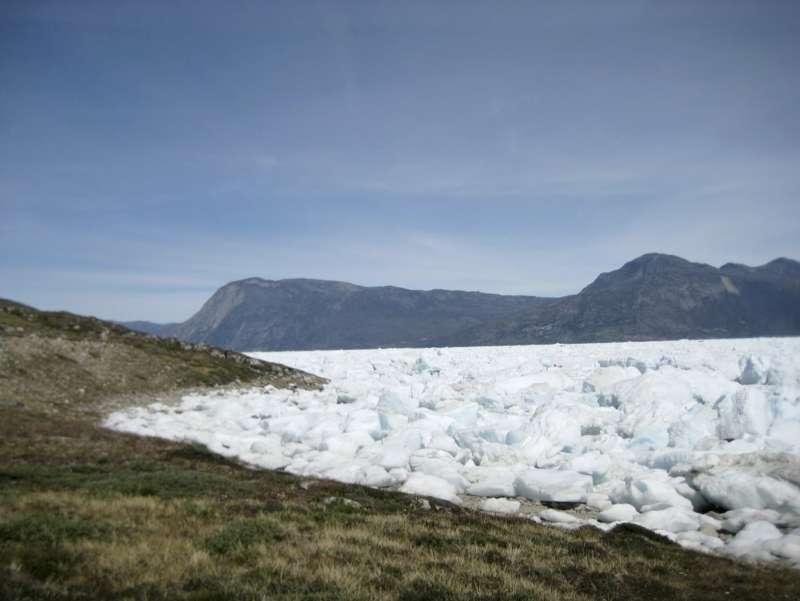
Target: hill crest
(654,296)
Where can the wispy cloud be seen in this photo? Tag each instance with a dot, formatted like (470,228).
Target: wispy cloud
(522,150)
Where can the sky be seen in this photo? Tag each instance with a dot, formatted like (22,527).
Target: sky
(152,151)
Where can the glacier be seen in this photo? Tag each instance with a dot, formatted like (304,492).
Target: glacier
(697,440)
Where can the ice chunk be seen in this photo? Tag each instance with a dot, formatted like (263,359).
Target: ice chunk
(603,379)
(671,519)
(707,387)
(699,503)
(347,444)
(491,404)
(536,447)
(465,415)
(393,401)
(269,444)
(500,505)
(700,541)
(598,501)
(267,452)
(750,541)
(364,420)
(786,547)
(621,512)
(553,485)
(421,367)
(557,426)
(441,464)
(745,412)
(443,441)
(516,384)
(697,428)
(392,421)
(397,448)
(559,517)
(430,486)
(378,477)
(737,488)
(649,491)
(291,428)
(669,458)
(650,404)
(496,484)
(736,519)
(784,435)
(754,370)
(593,464)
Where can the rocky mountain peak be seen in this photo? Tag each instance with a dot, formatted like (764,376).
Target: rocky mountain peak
(655,296)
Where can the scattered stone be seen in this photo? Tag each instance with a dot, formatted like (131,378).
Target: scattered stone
(423,504)
(498,505)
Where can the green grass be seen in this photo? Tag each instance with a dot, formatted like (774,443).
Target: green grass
(91,514)
(237,536)
(46,528)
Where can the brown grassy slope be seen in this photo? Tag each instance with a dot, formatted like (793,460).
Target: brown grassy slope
(87,513)
(60,361)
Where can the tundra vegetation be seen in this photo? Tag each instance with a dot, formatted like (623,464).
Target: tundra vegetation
(87,513)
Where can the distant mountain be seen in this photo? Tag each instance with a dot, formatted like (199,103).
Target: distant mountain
(148,327)
(654,297)
(659,297)
(256,314)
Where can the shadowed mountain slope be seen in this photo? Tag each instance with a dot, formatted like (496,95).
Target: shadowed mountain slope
(653,297)
(296,314)
(660,297)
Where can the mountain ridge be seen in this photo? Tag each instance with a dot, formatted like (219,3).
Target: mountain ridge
(654,296)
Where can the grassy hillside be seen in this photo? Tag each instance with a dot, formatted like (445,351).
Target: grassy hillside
(60,362)
(87,513)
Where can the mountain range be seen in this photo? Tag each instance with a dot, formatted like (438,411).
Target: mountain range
(653,297)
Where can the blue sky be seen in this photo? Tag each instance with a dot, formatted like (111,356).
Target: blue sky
(152,151)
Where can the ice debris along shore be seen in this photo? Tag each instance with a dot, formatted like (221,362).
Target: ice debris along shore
(697,440)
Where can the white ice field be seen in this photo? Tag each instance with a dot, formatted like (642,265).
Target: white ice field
(697,440)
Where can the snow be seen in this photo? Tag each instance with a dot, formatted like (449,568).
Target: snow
(654,433)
